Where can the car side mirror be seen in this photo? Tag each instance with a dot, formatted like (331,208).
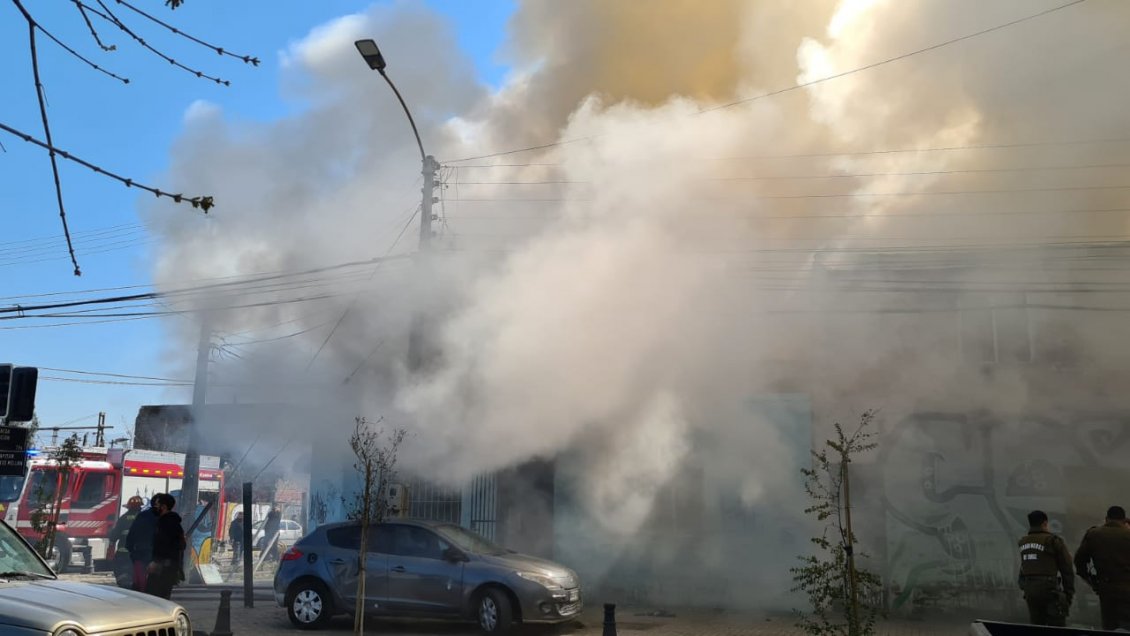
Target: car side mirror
(453,555)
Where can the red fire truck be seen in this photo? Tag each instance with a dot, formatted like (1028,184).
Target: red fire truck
(95,495)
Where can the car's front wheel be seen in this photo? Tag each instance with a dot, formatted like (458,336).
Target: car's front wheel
(494,612)
(309,605)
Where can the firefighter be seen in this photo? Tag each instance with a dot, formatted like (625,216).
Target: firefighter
(123,565)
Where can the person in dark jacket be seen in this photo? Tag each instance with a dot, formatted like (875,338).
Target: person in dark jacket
(1046,575)
(166,569)
(271,529)
(235,534)
(1107,548)
(139,542)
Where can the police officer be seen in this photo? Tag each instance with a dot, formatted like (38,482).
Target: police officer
(1045,573)
(1107,547)
(123,566)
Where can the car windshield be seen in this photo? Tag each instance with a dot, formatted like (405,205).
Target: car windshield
(469,541)
(16,558)
(10,487)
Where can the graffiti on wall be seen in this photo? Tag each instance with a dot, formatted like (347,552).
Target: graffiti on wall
(956,489)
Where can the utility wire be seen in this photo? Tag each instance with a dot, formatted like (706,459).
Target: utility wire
(353,302)
(799,85)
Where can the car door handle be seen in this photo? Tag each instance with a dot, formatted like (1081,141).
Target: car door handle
(338,561)
(399,568)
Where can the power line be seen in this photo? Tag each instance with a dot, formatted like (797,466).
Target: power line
(111,382)
(799,85)
(896,58)
(112,375)
(863,175)
(353,302)
(837,195)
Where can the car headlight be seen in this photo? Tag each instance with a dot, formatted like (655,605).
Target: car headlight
(183,626)
(547,582)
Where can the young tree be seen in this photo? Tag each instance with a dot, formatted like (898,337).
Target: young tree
(843,596)
(45,518)
(376,451)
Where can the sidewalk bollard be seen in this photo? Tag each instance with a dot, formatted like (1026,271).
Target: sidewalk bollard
(223,616)
(609,619)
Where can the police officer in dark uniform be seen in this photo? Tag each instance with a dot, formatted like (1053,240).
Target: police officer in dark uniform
(1107,547)
(1046,575)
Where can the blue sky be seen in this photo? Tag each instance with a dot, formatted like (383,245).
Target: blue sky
(129,129)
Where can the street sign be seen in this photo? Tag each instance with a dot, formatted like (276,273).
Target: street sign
(13,450)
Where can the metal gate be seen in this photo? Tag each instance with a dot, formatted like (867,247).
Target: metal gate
(480,506)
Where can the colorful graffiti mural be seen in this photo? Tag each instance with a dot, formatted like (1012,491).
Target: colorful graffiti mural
(956,488)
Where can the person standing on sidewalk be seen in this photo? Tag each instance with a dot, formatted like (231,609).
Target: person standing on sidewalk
(1107,547)
(166,569)
(122,564)
(139,542)
(1046,575)
(235,533)
(271,529)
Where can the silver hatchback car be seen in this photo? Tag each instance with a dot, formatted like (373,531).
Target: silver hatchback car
(425,570)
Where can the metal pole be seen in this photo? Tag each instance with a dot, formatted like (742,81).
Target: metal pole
(248,564)
(190,486)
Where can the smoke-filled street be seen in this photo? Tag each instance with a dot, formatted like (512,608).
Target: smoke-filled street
(746,316)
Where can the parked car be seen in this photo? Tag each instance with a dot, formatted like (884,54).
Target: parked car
(289,532)
(33,601)
(425,570)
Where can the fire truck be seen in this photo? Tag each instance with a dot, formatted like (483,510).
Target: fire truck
(95,494)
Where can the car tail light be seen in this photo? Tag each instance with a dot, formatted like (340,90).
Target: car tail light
(292,554)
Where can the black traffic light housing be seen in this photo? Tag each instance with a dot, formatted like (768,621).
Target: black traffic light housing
(17,392)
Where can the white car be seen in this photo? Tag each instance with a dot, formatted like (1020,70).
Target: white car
(289,532)
(33,601)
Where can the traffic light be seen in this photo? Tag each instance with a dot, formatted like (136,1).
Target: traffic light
(17,392)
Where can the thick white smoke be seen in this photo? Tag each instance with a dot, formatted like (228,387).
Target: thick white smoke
(627,299)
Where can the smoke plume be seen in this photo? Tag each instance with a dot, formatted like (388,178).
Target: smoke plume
(624,293)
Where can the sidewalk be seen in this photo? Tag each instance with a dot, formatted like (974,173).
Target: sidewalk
(266,619)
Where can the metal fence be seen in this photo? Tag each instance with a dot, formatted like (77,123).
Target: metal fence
(481,512)
(429,502)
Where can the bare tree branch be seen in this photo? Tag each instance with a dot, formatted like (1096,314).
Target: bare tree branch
(247,59)
(204,203)
(93,31)
(109,16)
(31,26)
(63,45)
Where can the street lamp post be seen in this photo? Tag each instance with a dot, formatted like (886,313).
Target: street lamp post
(371,53)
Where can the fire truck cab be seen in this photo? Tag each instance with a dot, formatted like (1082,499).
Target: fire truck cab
(93,496)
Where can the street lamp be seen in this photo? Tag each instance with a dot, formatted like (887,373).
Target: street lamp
(371,53)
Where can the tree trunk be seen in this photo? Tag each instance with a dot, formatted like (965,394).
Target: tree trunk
(366,511)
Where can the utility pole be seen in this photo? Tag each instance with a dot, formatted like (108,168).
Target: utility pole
(419,326)
(429,198)
(100,435)
(190,486)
